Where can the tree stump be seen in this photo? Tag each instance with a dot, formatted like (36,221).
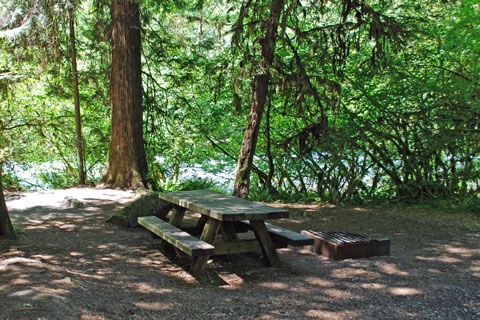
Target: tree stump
(147,205)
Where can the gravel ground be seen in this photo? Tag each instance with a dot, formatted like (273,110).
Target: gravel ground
(69,264)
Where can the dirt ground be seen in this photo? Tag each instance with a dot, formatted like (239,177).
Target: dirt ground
(69,264)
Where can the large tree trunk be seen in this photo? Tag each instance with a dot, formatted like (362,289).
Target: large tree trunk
(6,227)
(78,117)
(127,165)
(260,92)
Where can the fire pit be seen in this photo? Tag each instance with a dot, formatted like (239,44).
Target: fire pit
(342,245)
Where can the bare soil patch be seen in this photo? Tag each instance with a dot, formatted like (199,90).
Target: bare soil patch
(69,264)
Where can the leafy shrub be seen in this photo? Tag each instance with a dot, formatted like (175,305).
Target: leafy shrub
(11,182)
(57,179)
(190,184)
(262,195)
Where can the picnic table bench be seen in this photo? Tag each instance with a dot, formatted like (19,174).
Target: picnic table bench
(222,214)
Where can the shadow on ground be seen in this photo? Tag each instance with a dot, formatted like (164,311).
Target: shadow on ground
(69,264)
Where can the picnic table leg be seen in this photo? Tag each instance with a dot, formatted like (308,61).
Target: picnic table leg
(177,216)
(209,233)
(228,231)
(201,222)
(176,219)
(268,249)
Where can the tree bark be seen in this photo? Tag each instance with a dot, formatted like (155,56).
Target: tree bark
(6,227)
(271,165)
(127,164)
(78,116)
(259,95)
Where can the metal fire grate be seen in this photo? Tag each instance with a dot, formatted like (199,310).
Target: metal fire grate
(340,237)
(342,245)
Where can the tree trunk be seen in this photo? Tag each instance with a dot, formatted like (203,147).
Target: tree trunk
(271,165)
(78,117)
(6,227)
(260,91)
(127,165)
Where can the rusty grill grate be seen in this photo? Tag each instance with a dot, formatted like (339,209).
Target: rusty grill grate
(342,245)
(340,237)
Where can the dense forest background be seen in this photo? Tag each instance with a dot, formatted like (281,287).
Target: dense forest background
(365,101)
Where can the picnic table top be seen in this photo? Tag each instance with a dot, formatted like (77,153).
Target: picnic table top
(223,207)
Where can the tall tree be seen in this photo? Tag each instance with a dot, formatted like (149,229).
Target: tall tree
(78,116)
(127,165)
(259,96)
(6,227)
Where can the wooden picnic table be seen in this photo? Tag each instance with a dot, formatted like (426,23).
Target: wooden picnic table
(220,213)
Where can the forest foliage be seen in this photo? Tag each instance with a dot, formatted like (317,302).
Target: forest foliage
(369,101)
